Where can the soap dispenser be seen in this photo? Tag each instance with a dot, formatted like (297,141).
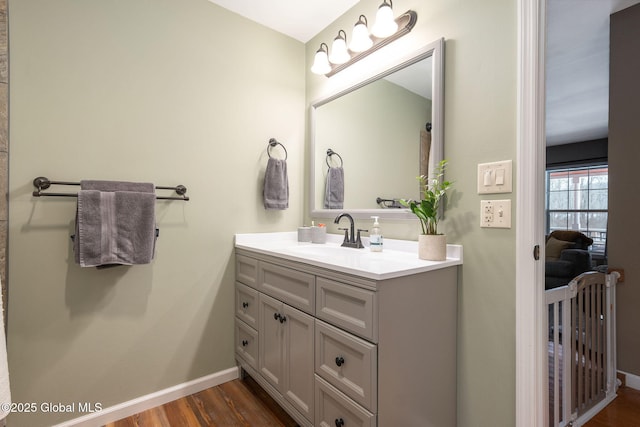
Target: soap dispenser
(375,236)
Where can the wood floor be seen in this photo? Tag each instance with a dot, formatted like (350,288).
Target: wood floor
(244,403)
(624,411)
(234,403)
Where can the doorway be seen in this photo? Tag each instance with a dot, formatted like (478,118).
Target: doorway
(531,374)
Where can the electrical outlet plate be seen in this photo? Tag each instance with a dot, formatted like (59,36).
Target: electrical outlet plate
(495,213)
(496,177)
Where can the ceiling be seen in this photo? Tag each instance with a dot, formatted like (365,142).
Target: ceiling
(577,63)
(577,69)
(299,19)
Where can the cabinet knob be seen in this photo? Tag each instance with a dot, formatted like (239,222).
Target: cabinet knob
(339,360)
(339,422)
(283,319)
(276,316)
(245,304)
(245,343)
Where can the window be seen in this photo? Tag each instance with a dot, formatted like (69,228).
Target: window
(577,199)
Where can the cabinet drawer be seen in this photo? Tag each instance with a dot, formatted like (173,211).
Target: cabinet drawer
(247,305)
(290,286)
(247,343)
(247,270)
(348,363)
(347,307)
(335,409)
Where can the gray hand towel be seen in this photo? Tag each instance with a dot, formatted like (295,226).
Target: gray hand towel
(276,185)
(334,189)
(115,224)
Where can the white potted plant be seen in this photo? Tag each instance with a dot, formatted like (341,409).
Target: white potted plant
(431,244)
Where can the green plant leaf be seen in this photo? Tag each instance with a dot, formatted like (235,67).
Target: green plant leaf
(433,191)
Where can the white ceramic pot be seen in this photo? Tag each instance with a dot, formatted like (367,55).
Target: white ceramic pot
(432,247)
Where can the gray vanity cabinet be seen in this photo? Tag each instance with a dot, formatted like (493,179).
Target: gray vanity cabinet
(336,349)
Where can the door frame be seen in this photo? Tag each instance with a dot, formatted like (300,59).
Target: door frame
(531,367)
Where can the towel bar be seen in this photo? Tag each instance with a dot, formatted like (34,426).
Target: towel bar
(42,183)
(389,203)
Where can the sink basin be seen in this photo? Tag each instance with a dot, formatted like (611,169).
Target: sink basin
(325,249)
(333,251)
(329,252)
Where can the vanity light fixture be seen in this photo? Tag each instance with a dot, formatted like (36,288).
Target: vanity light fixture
(340,58)
(339,53)
(385,24)
(321,62)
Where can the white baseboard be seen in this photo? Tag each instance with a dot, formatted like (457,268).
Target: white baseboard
(158,398)
(632,381)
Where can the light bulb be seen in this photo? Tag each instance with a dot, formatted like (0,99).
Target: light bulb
(385,23)
(339,54)
(321,61)
(360,40)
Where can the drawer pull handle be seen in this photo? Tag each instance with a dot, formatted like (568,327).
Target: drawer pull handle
(339,362)
(276,316)
(283,319)
(339,422)
(245,304)
(245,343)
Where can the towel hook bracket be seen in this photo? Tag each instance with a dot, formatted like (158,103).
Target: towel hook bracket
(330,153)
(272,143)
(41,183)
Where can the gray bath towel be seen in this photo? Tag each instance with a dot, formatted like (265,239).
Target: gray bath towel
(115,223)
(334,189)
(276,185)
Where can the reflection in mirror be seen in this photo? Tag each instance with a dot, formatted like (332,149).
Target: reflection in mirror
(371,141)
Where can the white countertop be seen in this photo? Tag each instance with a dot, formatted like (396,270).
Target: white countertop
(399,257)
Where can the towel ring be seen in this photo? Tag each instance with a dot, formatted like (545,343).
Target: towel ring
(273,143)
(330,153)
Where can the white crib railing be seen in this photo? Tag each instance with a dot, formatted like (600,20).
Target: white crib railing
(581,346)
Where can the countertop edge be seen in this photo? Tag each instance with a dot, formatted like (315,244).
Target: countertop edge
(454,257)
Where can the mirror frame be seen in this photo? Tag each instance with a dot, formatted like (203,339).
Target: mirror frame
(435,50)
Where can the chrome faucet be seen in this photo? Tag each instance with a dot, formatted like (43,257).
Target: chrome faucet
(350,242)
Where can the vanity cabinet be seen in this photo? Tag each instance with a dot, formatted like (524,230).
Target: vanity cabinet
(338,349)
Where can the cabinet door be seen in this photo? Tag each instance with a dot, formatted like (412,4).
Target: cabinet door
(298,358)
(271,334)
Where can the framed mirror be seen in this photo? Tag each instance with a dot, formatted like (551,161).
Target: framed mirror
(383,132)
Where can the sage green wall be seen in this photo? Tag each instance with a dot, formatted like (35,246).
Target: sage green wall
(480,126)
(167,91)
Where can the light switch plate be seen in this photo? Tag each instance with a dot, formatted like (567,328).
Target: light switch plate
(495,213)
(496,177)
